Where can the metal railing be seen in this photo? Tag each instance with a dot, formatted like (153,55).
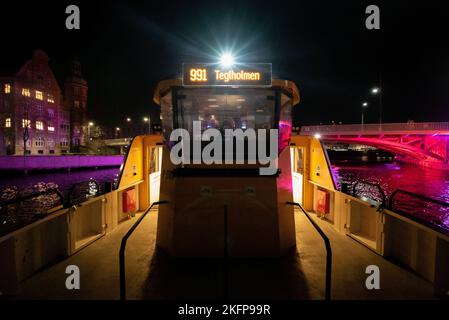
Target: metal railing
(82,191)
(327,291)
(414,195)
(382,198)
(413,209)
(376,128)
(123,248)
(33,195)
(20,211)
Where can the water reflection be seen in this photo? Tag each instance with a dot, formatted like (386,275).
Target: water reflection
(391,176)
(14,215)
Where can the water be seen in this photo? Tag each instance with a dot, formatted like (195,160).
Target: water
(13,184)
(391,176)
(64,179)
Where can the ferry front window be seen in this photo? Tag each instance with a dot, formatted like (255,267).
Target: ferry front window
(226,109)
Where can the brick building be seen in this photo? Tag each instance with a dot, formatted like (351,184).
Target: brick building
(36,116)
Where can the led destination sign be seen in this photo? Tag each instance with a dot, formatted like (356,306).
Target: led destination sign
(252,75)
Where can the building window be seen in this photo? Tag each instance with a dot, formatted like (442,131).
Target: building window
(26,92)
(51,113)
(39,142)
(26,123)
(39,125)
(40,109)
(76,103)
(51,128)
(50,98)
(65,127)
(50,143)
(8,123)
(7,88)
(64,142)
(39,95)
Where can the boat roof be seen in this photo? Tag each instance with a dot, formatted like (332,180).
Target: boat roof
(164,86)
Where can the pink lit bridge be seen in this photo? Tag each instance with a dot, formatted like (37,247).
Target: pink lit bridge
(422,143)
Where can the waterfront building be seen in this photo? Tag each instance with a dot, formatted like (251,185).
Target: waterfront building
(37,117)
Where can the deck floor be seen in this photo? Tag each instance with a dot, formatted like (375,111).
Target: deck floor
(153,275)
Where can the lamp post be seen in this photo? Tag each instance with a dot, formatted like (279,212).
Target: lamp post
(89,125)
(117,132)
(128,127)
(378,91)
(26,125)
(148,119)
(364,106)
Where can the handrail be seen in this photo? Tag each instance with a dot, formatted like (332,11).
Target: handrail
(415,195)
(327,294)
(34,195)
(381,191)
(71,200)
(123,247)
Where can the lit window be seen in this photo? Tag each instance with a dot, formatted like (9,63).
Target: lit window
(76,103)
(39,95)
(26,92)
(39,125)
(7,88)
(26,123)
(51,127)
(50,98)
(8,122)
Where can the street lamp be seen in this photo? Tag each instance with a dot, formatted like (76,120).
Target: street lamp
(148,119)
(378,91)
(90,124)
(128,119)
(117,131)
(364,106)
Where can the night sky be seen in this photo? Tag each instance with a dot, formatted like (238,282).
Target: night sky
(126,47)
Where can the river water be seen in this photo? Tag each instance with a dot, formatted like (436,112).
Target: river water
(63,179)
(428,182)
(15,185)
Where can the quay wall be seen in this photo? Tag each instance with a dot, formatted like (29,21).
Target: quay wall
(58,162)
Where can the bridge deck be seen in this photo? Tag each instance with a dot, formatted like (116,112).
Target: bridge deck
(426,128)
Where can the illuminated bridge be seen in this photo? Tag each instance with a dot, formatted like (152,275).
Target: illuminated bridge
(423,143)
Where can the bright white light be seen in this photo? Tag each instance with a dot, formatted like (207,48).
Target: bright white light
(365,104)
(91,124)
(375,90)
(227,60)
(317,136)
